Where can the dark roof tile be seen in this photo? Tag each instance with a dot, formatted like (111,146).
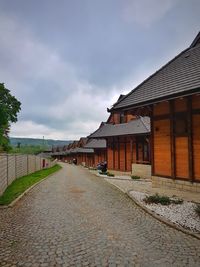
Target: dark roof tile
(179,76)
(134,127)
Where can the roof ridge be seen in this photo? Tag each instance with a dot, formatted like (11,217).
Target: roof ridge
(195,41)
(142,120)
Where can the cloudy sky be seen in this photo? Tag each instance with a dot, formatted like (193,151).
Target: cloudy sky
(68,60)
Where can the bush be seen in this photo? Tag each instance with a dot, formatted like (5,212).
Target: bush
(110,174)
(102,173)
(135,177)
(163,200)
(157,199)
(197,209)
(177,201)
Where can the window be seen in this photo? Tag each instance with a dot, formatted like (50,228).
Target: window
(122,118)
(142,150)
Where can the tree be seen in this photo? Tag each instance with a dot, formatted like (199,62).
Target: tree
(9,107)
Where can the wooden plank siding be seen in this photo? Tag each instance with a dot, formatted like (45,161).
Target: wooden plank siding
(99,156)
(162,155)
(121,153)
(176,138)
(196,145)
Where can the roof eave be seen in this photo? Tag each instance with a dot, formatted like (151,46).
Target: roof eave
(155,101)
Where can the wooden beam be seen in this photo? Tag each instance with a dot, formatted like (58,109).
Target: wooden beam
(172,140)
(131,150)
(105,152)
(113,153)
(152,143)
(125,157)
(118,143)
(190,139)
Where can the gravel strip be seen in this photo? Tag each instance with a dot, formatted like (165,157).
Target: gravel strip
(181,214)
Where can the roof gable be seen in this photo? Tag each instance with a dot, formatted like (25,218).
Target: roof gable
(196,41)
(134,127)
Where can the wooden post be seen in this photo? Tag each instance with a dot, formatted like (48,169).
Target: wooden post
(113,146)
(131,150)
(190,139)
(172,140)
(125,157)
(7,170)
(152,143)
(118,143)
(15,166)
(27,165)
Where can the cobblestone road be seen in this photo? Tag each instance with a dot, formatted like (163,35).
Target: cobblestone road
(77,219)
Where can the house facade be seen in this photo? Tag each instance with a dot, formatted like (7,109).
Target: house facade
(100,150)
(127,139)
(171,97)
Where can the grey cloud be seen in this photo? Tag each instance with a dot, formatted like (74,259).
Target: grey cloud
(67,60)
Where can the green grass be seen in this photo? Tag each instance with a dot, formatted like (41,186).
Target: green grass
(21,184)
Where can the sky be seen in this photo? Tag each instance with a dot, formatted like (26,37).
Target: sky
(67,61)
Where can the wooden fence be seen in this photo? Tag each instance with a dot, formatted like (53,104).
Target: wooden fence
(15,166)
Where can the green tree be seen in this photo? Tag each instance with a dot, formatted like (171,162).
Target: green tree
(9,107)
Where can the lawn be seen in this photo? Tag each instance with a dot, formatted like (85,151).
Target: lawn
(21,184)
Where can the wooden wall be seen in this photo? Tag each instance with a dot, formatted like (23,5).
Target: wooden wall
(121,153)
(196,136)
(162,154)
(176,138)
(100,155)
(115,118)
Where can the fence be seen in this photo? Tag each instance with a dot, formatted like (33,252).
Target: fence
(15,166)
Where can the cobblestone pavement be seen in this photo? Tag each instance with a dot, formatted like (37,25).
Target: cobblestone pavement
(77,219)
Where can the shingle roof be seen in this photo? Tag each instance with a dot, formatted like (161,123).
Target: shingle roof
(179,76)
(96,143)
(82,150)
(134,127)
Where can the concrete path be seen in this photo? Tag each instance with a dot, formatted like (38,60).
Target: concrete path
(77,219)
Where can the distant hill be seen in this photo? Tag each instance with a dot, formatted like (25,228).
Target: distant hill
(37,142)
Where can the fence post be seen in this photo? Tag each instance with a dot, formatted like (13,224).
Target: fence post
(7,169)
(27,166)
(15,166)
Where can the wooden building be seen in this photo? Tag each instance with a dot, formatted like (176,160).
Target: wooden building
(171,97)
(127,142)
(100,151)
(87,152)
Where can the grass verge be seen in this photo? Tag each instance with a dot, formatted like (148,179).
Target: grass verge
(21,184)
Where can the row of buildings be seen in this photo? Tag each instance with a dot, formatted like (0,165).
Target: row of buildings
(153,131)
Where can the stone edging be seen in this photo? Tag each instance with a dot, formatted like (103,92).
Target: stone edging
(153,214)
(25,192)
(162,219)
